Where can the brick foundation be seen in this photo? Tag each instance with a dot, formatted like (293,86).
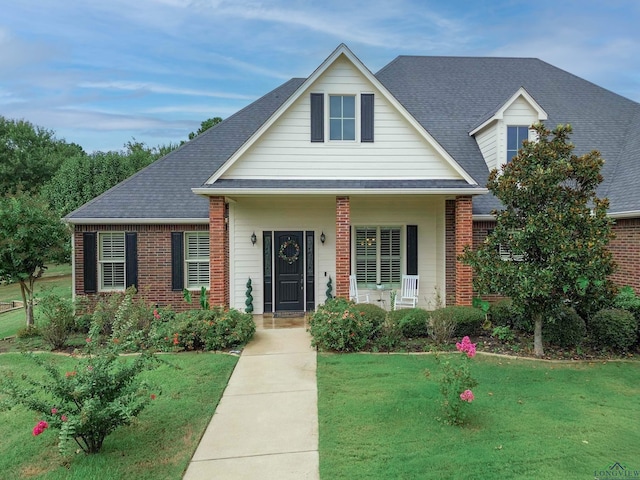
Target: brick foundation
(343,246)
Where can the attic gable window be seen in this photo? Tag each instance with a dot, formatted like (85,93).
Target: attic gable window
(343,112)
(342,117)
(515,136)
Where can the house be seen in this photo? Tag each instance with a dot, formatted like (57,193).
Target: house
(349,172)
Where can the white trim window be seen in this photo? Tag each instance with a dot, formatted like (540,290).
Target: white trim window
(378,256)
(515,136)
(111,259)
(342,117)
(196,257)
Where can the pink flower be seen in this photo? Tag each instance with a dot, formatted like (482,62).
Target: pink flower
(467,347)
(63,418)
(156,315)
(70,374)
(153,396)
(39,428)
(54,411)
(88,339)
(467,396)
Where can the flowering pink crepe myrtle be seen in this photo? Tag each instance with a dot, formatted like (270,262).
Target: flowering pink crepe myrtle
(467,396)
(467,347)
(39,428)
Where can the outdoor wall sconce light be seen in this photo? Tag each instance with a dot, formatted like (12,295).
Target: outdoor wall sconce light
(322,237)
(254,239)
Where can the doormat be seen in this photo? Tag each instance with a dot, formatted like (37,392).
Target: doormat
(288,314)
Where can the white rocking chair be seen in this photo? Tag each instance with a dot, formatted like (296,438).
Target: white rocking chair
(353,291)
(408,296)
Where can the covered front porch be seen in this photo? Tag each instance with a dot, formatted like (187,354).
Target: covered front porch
(300,249)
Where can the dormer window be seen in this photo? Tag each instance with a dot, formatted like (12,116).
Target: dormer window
(515,136)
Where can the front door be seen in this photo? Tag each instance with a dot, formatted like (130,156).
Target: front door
(289,272)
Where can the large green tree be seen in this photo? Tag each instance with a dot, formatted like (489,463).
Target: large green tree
(29,155)
(31,236)
(555,227)
(81,178)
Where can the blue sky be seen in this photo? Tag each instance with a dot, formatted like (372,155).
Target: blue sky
(100,73)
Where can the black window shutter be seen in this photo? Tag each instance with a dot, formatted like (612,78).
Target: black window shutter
(90,247)
(177,261)
(131,260)
(412,250)
(366,117)
(317,117)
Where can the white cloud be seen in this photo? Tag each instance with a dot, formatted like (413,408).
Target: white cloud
(161,89)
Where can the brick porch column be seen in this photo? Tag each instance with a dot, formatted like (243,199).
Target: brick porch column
(218,262)
(343,246)
(464,236)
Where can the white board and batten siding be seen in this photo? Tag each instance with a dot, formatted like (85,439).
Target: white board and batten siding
(492,140)
(285,150)
(317,214)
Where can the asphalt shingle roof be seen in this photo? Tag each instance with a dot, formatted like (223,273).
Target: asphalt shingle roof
(448,96)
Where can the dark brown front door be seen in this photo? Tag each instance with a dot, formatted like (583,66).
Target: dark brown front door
(289,272)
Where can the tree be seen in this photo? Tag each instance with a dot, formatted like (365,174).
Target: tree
(554,226)
(29,155)
(81,177)
(204,126)
(31,236)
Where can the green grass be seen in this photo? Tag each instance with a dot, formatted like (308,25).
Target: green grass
(56,278)
(158,446)
(378,417)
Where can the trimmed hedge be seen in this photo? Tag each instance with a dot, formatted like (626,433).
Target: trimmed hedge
(567,330)
(613,328)
(469,320)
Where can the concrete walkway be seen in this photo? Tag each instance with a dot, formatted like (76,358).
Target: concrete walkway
(266,425)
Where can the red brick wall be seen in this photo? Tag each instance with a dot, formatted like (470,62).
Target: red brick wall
(626,253)
(464,237)
(450,251)
(154,261)
(218,253)
(625,249)
(343,246)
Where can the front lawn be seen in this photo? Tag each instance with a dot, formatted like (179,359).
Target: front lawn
(158,445)
(378,417)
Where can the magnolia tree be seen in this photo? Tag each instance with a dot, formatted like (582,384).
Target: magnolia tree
(554,226)
(30,237)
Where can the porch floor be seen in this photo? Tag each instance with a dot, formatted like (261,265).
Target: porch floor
(268,321)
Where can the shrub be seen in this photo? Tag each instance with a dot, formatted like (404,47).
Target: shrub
(29,331)
(215,329)
(566,330)
(442,325)
(83,323)
(613,328)
(100,394)
(504,334)
(388,337)
(456,382)
(628,300)
(340,326)
(414,323)
(56,319)
(469,320)
(374,315)
(503,313)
